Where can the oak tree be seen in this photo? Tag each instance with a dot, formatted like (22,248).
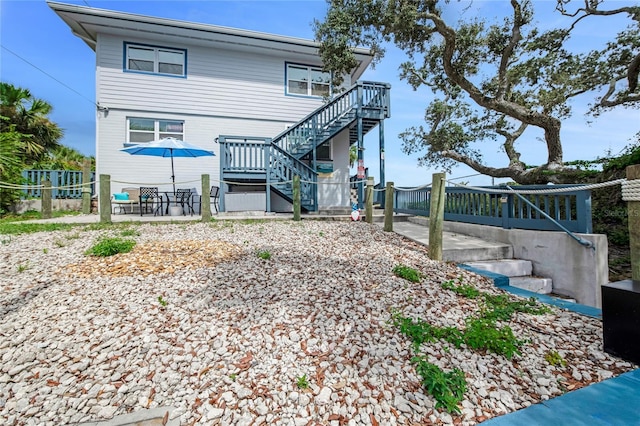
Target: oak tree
(491,78)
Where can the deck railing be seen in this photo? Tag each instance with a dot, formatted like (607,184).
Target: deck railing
(247,155)
(571,209)
(65,183)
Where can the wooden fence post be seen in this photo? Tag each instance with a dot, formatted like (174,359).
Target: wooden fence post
(369,198)
(105,199)
(388,208)
(46,199)
(296,198)
(436,216)
(86,188)
(633,212)
(205,199)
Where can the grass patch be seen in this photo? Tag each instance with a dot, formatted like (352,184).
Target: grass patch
(30,228)
(407,273)
(465,290)
(110,246)
(500,307)
(264,255)
(481,333)
(130,233)
(34,215)
(497,307)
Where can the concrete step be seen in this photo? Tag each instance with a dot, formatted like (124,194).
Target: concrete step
(508,267)
(534,284)
(456,248)
(467,254)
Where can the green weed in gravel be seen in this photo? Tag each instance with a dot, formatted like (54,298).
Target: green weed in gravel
(130,233)
(447,388)
(555,359)
(109,246)
(407,273)
(264,255)
(302,382)
(23,267)
(465,290)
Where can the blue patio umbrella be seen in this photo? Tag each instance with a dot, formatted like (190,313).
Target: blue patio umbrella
(168,147)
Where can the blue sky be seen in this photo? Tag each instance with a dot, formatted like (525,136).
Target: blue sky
(33,31)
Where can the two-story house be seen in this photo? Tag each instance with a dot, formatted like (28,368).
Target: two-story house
(261,102)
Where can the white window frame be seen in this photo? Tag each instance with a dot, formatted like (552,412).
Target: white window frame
(156,134)
(156,50)
(310,69)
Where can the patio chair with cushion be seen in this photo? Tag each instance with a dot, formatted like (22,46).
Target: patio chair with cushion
(149,197)
(127,197)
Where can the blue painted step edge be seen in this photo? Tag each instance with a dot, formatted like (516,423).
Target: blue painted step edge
(502,281)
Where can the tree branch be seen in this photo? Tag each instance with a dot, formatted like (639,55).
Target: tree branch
(516,36)
(549,124)
(509,144)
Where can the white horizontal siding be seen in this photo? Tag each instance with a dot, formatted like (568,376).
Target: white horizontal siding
(142,170)
(220,83)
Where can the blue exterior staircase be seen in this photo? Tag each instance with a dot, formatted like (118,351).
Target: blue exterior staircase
(275,161)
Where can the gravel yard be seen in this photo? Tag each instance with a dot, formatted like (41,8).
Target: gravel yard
(197,318)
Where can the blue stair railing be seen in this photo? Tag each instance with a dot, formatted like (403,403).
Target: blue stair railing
(277,160)
(366,99)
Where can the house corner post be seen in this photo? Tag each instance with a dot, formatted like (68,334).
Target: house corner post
(205,199)
(105,199)
(86,186)
(46,199)
(633,212)
(369,201)
(388,208)
(436,216)
(296,198)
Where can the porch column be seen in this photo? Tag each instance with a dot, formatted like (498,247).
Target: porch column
(360,174)
(222,165)
(381,138)
(267,162)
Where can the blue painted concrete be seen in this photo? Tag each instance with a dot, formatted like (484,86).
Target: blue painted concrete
(499,280)
(502,281)
(611,402)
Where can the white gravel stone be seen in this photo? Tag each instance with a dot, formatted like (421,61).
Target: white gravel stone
(237,333)
(324,397)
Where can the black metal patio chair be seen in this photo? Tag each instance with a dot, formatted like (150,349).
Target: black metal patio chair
(183,198)
(149,196)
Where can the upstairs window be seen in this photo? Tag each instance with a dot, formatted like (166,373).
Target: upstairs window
(308,81)
(155,60)
(143,130)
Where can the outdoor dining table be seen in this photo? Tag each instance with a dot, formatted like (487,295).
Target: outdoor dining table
(172,200)
(170,197)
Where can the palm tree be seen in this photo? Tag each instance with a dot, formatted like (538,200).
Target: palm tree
(62,158)
(28,116)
